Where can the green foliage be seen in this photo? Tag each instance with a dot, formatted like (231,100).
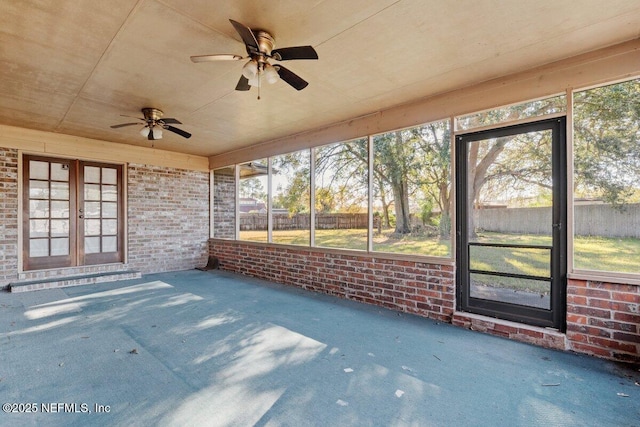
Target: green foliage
(607,142)
(252,187)
(426,212)
(294,193)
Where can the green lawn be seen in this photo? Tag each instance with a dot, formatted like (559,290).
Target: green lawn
(356,239)
(591,253)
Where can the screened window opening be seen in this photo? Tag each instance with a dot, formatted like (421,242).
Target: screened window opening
(291,192)
(606,194)
(253,200)
(538,108)
(342,195)
(412,190)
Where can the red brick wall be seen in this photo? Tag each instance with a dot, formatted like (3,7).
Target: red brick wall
(425,289)
(603,319)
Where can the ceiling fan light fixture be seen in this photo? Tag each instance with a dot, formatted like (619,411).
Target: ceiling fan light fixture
(157,132)
(145,131)
(250,70)
(255,81)
(270,74)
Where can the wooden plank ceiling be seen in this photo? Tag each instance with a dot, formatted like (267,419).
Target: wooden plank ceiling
(74,66)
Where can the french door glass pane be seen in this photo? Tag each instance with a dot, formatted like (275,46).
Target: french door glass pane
(60,190)
(39,208)
(38,189)
(60,246)
(59,172)
(91,174)
(59,227)
(109,226)
(92,245)
(109,176)
(59,209)
(92,227)
(92,209)
(39,228)
(109,244)
(109,193)
(92,192)
(109,210)
(38,170)
(38,247)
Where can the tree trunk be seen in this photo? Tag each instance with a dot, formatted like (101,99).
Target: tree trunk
(401,205)
(386,223)
(476,177)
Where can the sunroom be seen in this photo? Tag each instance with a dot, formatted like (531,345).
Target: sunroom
(475,163)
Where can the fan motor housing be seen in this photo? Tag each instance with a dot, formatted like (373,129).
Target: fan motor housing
(266,42)
(152,114)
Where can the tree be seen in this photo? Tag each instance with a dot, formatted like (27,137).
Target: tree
(435,182)
(606,148)
(342,177)
(252,187)
(607,142)
(394,158)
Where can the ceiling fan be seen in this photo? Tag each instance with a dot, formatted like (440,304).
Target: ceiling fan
(260,49)
(154,124)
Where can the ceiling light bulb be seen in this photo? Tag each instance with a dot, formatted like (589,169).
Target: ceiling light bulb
(250,70)
(255,81)
(157,132)
(270,74)
(145,131)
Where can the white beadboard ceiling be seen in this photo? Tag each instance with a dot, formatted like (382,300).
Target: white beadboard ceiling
(74,66)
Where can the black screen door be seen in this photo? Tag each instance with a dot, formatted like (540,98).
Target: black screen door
(511,228)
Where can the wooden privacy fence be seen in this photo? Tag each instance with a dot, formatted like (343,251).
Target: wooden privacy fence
(258,221)
(590,220)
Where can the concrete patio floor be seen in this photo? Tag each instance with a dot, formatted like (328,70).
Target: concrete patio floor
(214,348)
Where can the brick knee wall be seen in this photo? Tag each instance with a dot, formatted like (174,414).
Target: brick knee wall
(425,289)
(603,319)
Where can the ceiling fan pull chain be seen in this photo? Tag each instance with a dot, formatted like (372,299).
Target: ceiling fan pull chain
(259,82)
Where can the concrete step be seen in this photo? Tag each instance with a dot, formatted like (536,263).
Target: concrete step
(63,282)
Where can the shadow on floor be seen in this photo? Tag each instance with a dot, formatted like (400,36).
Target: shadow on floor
(218,349)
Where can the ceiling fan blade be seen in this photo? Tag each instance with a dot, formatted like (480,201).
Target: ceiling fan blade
(212,58)
(290,77)
(243,84)
(150,136)
(178,131)
(124,124)
(247,35)
(172,121)
(296,52)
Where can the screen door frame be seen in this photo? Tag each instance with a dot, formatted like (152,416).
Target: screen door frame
(555,317)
